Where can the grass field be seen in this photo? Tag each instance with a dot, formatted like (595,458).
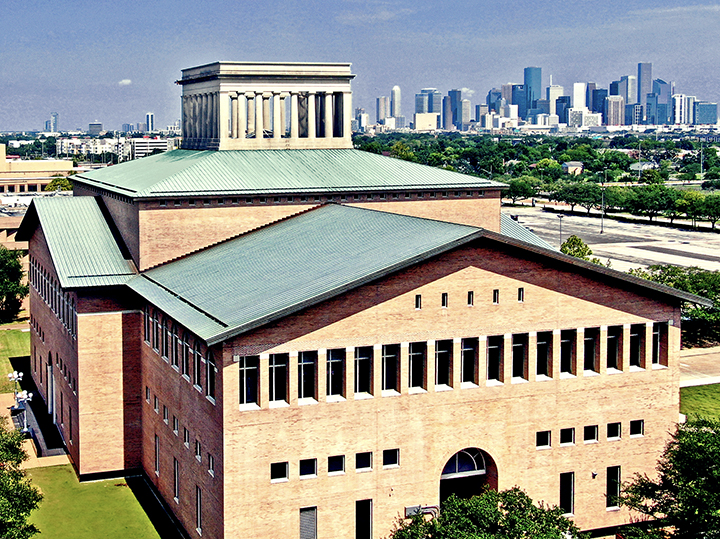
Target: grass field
(71,510)
(13,343)
(701,401)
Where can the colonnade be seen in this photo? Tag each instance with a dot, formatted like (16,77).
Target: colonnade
(201,116)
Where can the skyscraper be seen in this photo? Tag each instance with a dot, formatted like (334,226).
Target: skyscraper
(464,113)
(589,88)
(493,99)
(614,110)
(54,116)
(598,99)
(434,99)
(395,104)
(422,103)
(382,108)
(447,113)
(150,122)
(519,98)
(614,88)
(644,82)
(455,99)
(628,89)
(533,85)
(578,97)
(553,92)
(562,104)
(705,113)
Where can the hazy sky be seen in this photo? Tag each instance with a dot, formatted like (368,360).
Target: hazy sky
(115,61)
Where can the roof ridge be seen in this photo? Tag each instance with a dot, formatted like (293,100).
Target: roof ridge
(236,236)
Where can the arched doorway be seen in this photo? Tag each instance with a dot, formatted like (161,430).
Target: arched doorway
(467,473)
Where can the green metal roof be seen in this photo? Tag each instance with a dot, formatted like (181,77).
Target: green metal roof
(510,227)
(242,172)
(81,244)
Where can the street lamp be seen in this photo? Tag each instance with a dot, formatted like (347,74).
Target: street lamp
(561,218)
(22,399)
(602,205)
(15,377)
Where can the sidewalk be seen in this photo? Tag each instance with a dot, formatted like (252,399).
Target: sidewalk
(699,366)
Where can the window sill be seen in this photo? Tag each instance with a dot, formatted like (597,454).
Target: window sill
(390,393)
(312,476)
(468,385)
(659,366)
(176,368)
(494,383)
(362,396)
(543,447)
(587,442)
(442,387)
(391,467)
(568,444)
(306,401)
(249,406)
(283,480)
(211,399)
(336,473)
(566,375)
(614,439)
(590,374)
(612,509)
(197,388)
(518,380)
(416,390)
(187,378)
(542,378)
(363,470)
(279,404)
(176,500)
(613,370)
(335,398)
(635,368)
(637,436)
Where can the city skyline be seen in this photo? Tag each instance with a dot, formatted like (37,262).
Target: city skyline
(54,64)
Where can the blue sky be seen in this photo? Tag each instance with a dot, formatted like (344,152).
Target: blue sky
(115,61)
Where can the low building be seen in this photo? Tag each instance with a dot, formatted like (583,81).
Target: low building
(573,167)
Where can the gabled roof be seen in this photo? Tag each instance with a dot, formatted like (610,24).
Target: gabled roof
(221,173)
(83,248)
(510,227)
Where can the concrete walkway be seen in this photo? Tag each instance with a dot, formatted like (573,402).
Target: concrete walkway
(699,366)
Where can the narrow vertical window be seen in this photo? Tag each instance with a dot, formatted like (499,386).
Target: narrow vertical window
(591,349)
(443,363)
(176,480)
(567,492)
(197,365)
(391,367)
(210,375)
(637,427)
(363,369)
(308,523)
(176,425)
(496,296)
(148,324)
(336,372)
(614,340)
(521,295)
(417,361)
(444,300)
(174,346)
(363,519)
(278,377)
(418,302)
(249,379)
(307,368)
(198,509)
(469,352)
(567,351)
(211,464)
(520,356)
(544,354)
(198,451)
(471,298)
(157,455)
(495,358)
(658,343)
(637,345)
(612,492)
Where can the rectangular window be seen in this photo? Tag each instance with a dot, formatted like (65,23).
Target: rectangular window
(637,345)
(307,372)
(469,352)
(542,439)
(520,356)
(249,379)
(211,464)
(417,359)
(308,523)
(176,480)
(197,366)
(659,339)
(363,369)
(637,427)
(614,431)
(444,300)
(198,451)
(336,464)
(544,354)
(567,492)
(147,394)
(176,425)
(614,347)
(391,458)
(198,510)
(186,437)
(278,377)
(443,363)
(186,353)
(279,472)
(590,434)
(591,349)
(308,468)
(157,455)
(363,461)
(567,436)
(166,417)
(210,375)
(391,367)
(156,405)
(336,372)
(612,491)
(418,302)
(471,298)
(363,519)
(567,351)
(496,296)
(495,358)
(521,295)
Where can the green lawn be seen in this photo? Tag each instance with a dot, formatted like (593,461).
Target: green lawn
(701,401)
(13,343)
(73,510)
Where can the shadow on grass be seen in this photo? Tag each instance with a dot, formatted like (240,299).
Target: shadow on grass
(158,514)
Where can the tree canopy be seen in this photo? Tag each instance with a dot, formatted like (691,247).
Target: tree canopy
(12,291)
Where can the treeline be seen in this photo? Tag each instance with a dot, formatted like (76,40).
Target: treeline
(40,147)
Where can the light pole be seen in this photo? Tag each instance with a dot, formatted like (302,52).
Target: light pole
(561,218)
(15,377)
(22,399)
(602,205)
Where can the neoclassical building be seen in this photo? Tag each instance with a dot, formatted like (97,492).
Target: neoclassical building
(292,338)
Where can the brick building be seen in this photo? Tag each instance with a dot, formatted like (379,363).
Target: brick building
(292,338)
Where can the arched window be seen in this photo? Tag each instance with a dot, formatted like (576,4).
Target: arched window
(465,463)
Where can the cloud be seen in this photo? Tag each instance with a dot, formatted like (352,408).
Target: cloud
(676,10)
(125,82)
(378,16)
(468,92)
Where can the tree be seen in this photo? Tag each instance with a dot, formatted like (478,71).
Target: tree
(507,514)
(400,150)
(574,246)
(651,176)
(12,291)
(684,499)
(711,209)
(651,200)
(59,182)
(519,188)
(18,497)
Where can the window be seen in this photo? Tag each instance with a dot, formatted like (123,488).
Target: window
(278,377)
(279,472)
(363,369)
(176,480)
(637,427)
(567,436)
(614,347)
(336,464)
(249,379)
(336,372)
(156,405)
(198,510)
(307,367)
(308,523)
(471,298)
(444,300)
(157,455)
(176,425)
(591,349)
(417,357)
(418,302)
(198,451)
(614,431)
(175,347)
(659,339)
(197,365)
(612,491)
(147,322)
(186,353)
(155,330)
(210,375)
(496,296)
(544,354)
(443,363)
(391,367)
(308,468)
(567,351)
(186,437)
(521,295)
(495,358)
(165,414)
(590,434)
(391,458)
(363,519)
(363,461)
(468,367)
(147,394)
(567,492)
(520,356)
(637,345)
(211,464)
(542,439)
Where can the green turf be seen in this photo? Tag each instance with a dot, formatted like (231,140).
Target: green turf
(90,510)
(13,343)
(701,401)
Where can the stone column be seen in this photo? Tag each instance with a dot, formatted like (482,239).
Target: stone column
(204,118)
(250,112)
(294,120)
(328,115)
(224,117)
(242,116)
(283,113)
(264,374)
(346,115)
(184,116)
(259,116)
(311,115)
(277,131)
(293,378)
(234,115)
(350,372)
(267,120)
(556,345)
(377,371)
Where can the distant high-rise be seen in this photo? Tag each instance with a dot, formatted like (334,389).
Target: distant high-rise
(519,98)
(395,103)
(95,128)
(465,111)
(683,108)
(447,115)
(589,88)
(628,89)
(578,97)
(506,91)
(705,113)
(644,82)
(127,128)
(434,99)
(493,99)
(533,85)
(562,105)
(382,108)
(614,88)
(598,99)
(664,91)
(150,122)
(422,103)
(455,99)
(614,110)
(54,117)
(553,92)
(633,114)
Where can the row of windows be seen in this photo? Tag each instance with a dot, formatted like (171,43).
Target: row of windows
(445,298)
(308,468)
(35,326)
(305,199)
(38,367)
(50,291)
(363,521)
(613,481)
(387,357)
(543,439)
(188,356)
